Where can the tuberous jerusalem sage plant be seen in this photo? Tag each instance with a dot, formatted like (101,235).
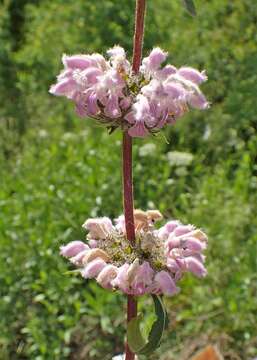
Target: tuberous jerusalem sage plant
(133,255)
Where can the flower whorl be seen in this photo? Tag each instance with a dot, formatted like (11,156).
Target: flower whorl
(108,91)
(153,265)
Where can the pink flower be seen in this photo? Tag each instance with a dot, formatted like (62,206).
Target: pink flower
(143,279)
(121,281)
(76,61)
(106,276)
(195,266)
(98,228)
(193,75)
(167,229)
(173,242)
(155,265)
(93,243)
(165,284)
(198,101)
(93,268)
(194,244)
(73,248)
(138,129)
(78,259)
(108,91)
(154,60)
(183,229)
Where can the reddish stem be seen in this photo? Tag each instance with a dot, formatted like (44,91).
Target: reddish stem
(139,34)
(128,187)
(127,159)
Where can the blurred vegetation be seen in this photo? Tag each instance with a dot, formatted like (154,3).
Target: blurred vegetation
(57,170)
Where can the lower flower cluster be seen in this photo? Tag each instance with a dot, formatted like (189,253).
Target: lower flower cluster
(152,265)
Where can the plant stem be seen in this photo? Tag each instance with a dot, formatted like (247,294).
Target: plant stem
(127,159)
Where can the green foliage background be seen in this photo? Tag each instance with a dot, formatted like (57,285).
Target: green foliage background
(57,170)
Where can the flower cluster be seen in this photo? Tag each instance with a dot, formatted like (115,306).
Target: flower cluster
(109,91)
(154,264)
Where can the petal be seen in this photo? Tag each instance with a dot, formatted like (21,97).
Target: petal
(98,228)
(194,244)
(64,87)
(116,51)
(195,266)
(93,243)
(73,248)
(77,260)
(166,283)
(93,268)
(125,103)
(76,61)
(121,281)
(173,242)
(193,75)
(92,107)
(172,225)
(198,101)
(156,57)
(174,90)
(130,117)
(138,130)
(173,265)
(112,108)
(92,74)
(166,71)
(183,229)
(107,275)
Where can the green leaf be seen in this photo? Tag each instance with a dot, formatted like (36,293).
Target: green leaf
(155,336)
(190,7)
(135,339)
(72,272)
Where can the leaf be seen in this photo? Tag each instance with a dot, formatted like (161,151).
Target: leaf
(136,341)
(190,7)
(155,336)
(72,272)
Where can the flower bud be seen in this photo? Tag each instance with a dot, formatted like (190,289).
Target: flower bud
(93,268)
(64,87)
(93,254)
(194,244)
(172,242)
(165,283)
(106,276)
(198,101)
(73,248)
(99,228)
(183,229)
(195,266)
(132,270)
(77,260)
(121,280)
(76,61)
(93,244)
(198,234)
(192,75)
(154,215)
(156,57)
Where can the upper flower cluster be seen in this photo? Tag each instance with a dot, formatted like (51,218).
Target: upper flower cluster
(153,264)
(108,91)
